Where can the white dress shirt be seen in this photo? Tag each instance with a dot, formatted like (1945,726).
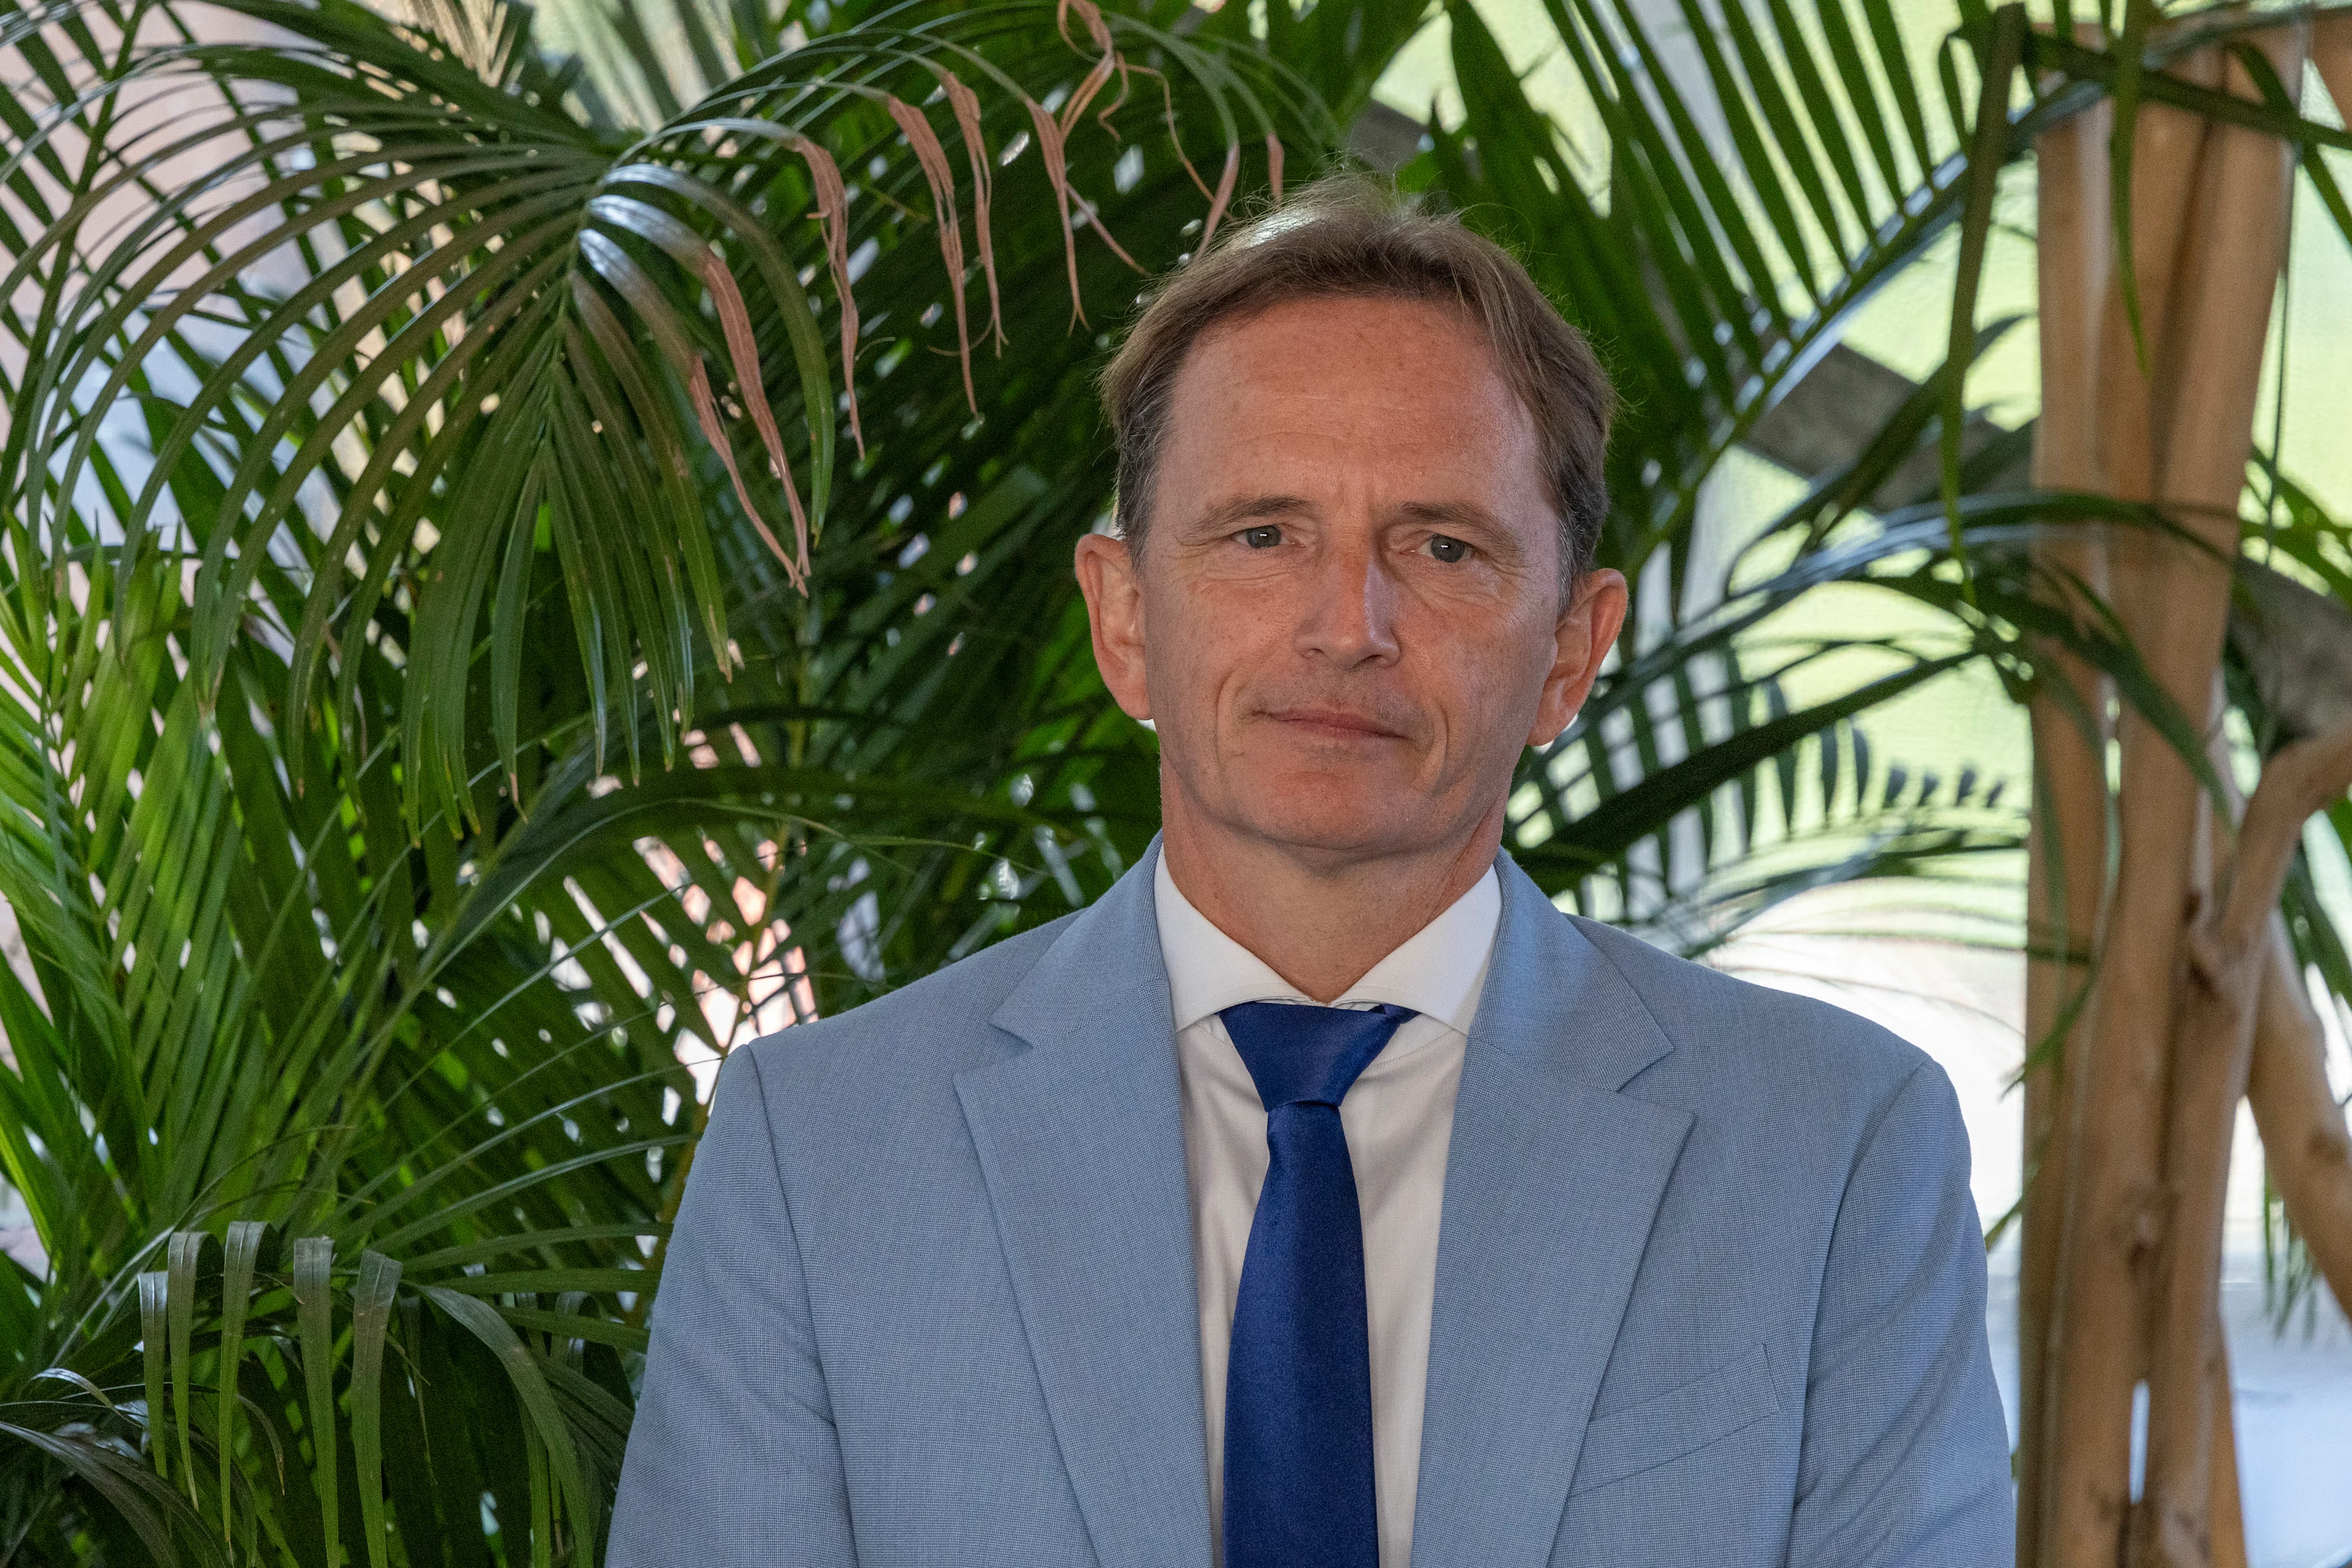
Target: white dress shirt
(1399,1118)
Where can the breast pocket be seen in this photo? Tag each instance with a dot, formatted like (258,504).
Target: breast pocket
(1731,1398)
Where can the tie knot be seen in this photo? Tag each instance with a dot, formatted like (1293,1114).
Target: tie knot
(1299,1054)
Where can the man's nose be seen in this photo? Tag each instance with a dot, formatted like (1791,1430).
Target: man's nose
(1351,616)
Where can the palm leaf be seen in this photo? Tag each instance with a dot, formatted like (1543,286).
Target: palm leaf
(451,681)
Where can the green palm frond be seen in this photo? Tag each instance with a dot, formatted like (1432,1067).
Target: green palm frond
(1715,246)
(457,670)
(525,340)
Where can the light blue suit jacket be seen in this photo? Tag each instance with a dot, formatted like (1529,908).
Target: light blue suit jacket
(1710,1284)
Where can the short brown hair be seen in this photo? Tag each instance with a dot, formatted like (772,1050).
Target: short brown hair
(1350,235)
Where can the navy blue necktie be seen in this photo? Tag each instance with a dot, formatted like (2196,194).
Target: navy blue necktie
(1298,1385)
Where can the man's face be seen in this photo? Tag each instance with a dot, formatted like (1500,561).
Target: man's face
(1347,619)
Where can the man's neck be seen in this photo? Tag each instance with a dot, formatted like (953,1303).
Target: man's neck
(1320,923)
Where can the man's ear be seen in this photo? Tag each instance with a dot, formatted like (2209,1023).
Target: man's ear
(1587,631)
(1114,593)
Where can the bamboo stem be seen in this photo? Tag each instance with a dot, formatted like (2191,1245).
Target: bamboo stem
(2331,52)
(2067,852)
(2305,1139)
(2213,1047)
(2229,1519)
(2108,1227)
(2222,321)
(2192,1006)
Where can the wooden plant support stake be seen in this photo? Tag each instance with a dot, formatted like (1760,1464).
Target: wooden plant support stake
(2229,1523)
(2305,1139)
(2331,53)
(2108,1180)
(2067,853)
(2226,955)
(2210,204)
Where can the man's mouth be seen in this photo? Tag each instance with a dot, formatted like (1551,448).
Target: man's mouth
(1335,723)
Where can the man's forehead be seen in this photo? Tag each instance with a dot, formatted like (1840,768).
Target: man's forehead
(1396,326)
(1416,378)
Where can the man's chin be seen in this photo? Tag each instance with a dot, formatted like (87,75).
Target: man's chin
(1337,825)
(1326,816)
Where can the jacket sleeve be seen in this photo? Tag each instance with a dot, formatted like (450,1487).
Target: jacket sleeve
(1906,1452)
(732,1459)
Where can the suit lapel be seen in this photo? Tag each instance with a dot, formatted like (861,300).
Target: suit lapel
(1552,1184)
(1081,1142)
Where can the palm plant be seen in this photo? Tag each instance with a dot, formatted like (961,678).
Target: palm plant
(1988,566)
(523,570)
(1721,275)
(439,705)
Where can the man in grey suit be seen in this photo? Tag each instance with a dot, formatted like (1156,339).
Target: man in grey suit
(1323,1197)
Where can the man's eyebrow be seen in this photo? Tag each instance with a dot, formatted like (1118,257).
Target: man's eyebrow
(1228,514)
(1460,514)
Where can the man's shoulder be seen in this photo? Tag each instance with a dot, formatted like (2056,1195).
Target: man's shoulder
(1763,1050)
(931,1029)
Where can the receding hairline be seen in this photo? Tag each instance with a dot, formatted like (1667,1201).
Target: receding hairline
(1248,310)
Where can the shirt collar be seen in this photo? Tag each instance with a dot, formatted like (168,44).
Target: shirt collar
(1438,971)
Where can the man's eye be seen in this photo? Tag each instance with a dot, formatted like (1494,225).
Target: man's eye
(1264,537)
(1446,549)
